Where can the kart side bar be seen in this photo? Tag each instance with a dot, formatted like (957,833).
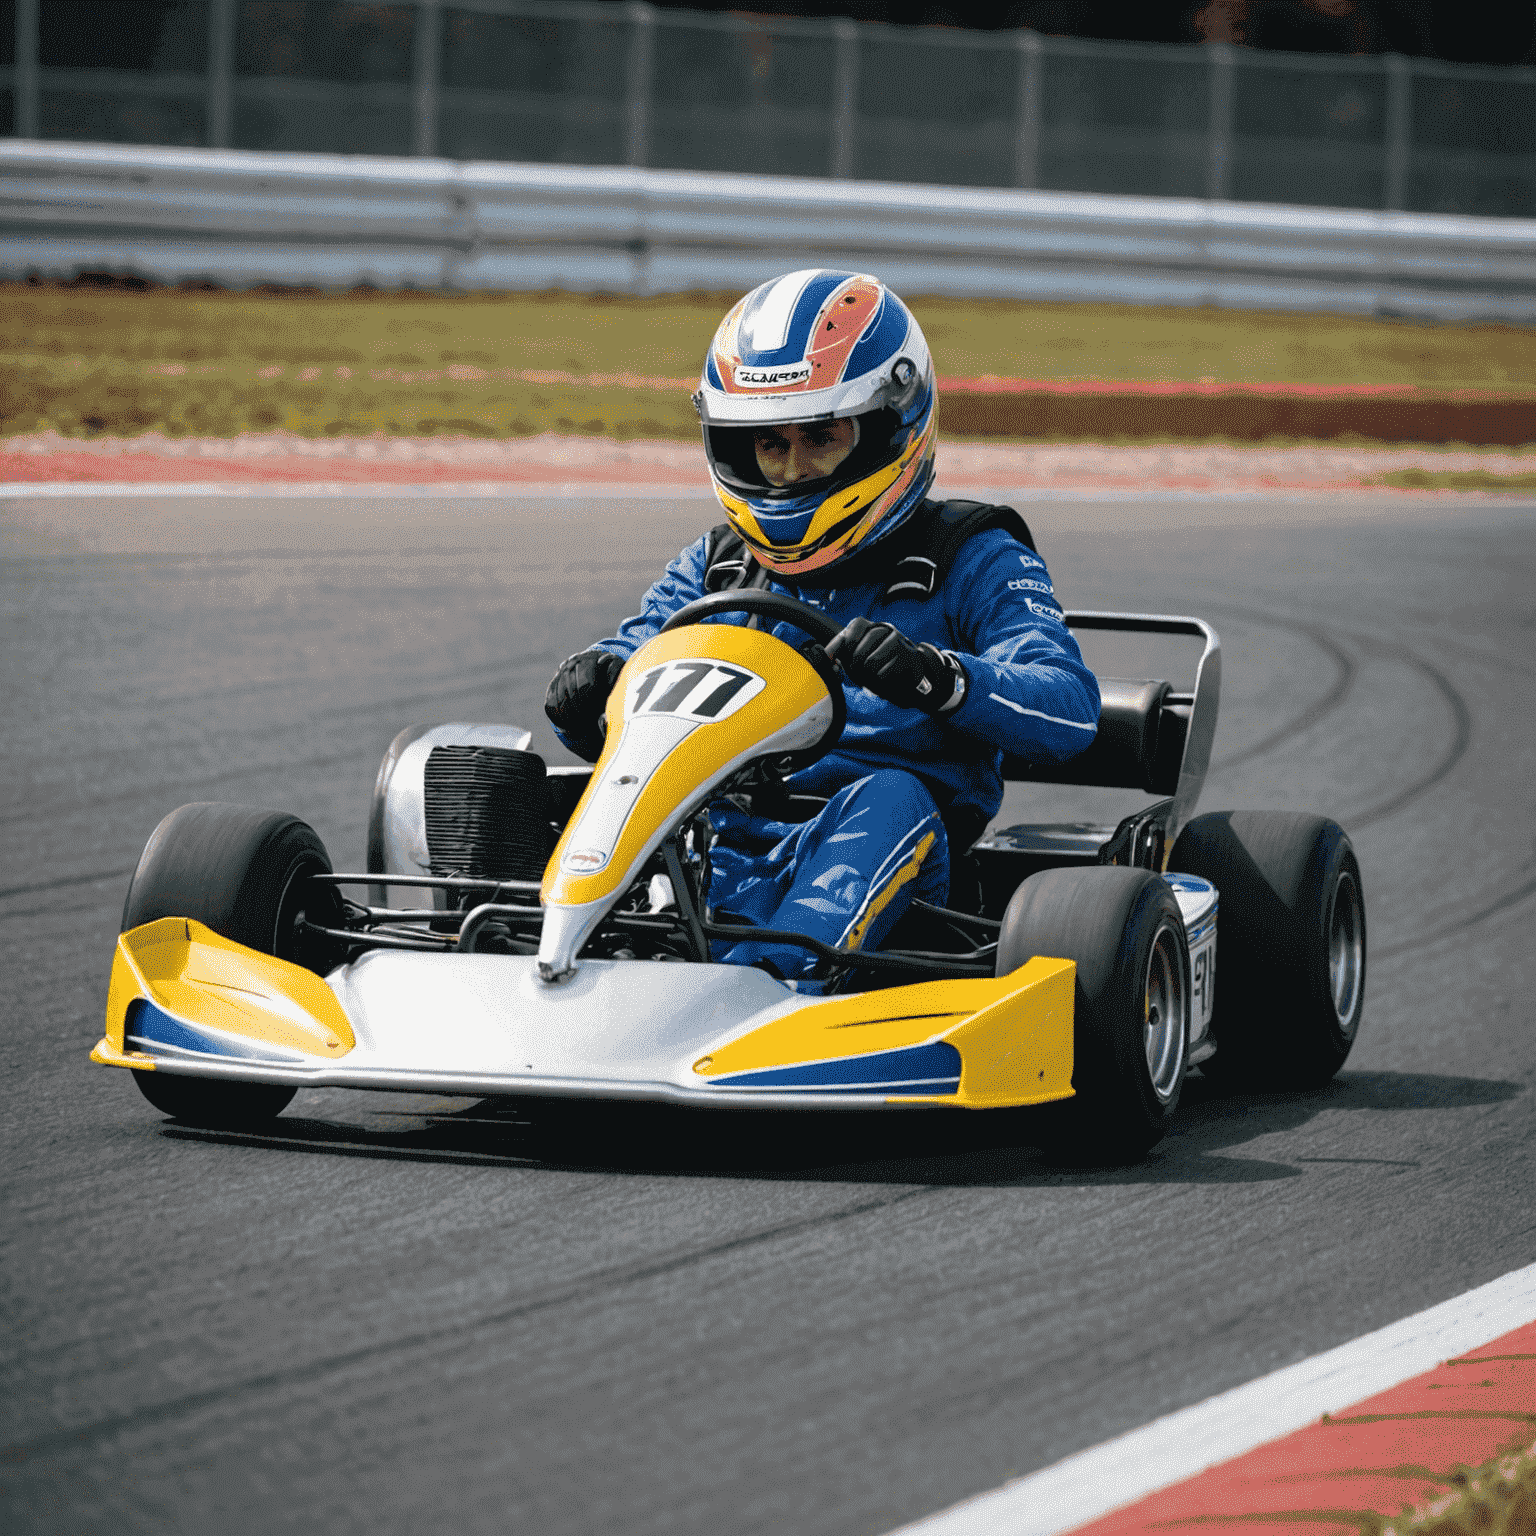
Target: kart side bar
(976,962)
(376,940)
(431,882)
(1203,700)
(975,920)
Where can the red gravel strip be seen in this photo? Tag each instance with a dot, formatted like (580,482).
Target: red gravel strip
(977,384)
(285,458)
(994,384)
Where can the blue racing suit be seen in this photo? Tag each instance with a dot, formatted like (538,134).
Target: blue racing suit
(846,876)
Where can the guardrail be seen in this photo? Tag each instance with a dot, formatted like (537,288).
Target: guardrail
(591,82)
(240,218)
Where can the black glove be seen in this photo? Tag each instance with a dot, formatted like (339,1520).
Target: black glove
(578,694)
(900,671)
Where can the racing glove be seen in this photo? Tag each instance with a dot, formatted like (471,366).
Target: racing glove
(578,694)
(900,671)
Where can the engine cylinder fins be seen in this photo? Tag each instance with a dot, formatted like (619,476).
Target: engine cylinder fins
(487,813)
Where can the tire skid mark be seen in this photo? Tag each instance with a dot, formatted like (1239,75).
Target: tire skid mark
(1329,639)
(374,1150)
(1461,741)
(235,1395)
(1314,713)
(1461,924)
(1499,661)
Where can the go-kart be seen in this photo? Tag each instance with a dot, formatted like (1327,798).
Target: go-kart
(553,932)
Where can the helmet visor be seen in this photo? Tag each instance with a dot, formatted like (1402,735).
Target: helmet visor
(737,463)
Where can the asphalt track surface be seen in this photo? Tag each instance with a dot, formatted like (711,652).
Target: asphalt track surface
(403,1314)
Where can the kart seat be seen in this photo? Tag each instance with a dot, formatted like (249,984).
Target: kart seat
(1140,743)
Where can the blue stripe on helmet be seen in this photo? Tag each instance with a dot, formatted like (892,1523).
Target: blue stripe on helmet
(882,340)
(712,373)
(786,525)
(919,408)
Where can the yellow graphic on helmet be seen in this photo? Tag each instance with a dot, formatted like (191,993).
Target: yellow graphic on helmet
(843,520)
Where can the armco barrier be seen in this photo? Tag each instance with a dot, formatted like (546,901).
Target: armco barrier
(242,218)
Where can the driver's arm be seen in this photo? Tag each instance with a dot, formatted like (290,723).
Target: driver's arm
(1028,689)
(579,691)
(997,661)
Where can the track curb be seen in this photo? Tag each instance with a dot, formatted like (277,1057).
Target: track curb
(1367,1426)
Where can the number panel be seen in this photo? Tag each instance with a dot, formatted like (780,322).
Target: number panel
(700,690)
(1202,970)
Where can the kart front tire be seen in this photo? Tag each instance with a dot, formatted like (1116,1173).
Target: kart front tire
(1290,944)
(211,1105)
(234,867)
(1131,1013)
(240,871)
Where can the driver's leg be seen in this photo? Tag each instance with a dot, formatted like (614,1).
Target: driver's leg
(845,877)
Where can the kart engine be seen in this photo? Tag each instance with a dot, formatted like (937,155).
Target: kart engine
(461,799)
(487,812)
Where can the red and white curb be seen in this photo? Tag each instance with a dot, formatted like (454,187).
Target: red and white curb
(1272,1424)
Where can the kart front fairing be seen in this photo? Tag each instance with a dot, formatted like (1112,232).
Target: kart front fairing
(693,710)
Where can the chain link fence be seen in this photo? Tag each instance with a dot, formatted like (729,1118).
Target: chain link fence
(595,84)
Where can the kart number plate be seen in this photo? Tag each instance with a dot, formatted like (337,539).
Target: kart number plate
(1202,972)
(705,691)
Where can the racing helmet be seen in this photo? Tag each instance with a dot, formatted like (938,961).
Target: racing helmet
(809,347)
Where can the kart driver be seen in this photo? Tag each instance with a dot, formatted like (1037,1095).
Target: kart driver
(818,409)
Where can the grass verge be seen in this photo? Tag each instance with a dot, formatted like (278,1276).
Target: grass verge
(1495,1499)
(1453,480)
(82,396)
(88,359)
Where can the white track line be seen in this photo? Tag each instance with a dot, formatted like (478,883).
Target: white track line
(571,490)
(1083,1487)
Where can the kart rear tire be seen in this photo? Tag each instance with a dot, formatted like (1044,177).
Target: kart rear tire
(1290,944)
(240,871)
(1131,1014)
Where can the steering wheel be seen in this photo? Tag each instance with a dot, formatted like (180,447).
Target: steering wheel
(771,605)
(810,621)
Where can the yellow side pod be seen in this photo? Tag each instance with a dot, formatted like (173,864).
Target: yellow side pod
(199,977)
(1014,1034)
